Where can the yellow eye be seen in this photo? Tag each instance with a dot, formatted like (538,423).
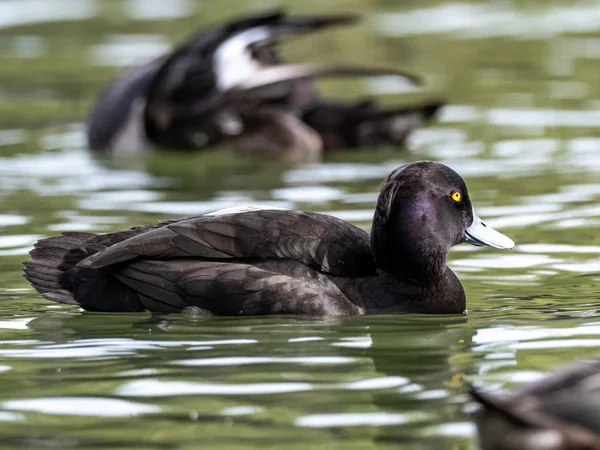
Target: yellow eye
(456,196)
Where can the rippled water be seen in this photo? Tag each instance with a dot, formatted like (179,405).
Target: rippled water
(523,129)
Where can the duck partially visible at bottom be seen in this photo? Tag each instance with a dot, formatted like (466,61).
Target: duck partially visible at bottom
(255,261)
(560,412)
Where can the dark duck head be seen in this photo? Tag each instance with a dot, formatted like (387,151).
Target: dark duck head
(423,210)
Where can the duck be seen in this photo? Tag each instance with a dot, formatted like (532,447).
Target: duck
(227,87)
(269,261)
(559,412)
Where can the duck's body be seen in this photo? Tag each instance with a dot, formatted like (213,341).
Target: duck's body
(560,412)
(199,96)
(251,263)
(272,261)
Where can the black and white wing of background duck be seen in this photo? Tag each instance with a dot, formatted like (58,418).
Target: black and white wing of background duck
(227,86)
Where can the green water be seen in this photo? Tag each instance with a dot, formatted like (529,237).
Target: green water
(523,129)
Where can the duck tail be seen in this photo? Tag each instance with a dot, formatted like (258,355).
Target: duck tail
(45,271)
(53,272)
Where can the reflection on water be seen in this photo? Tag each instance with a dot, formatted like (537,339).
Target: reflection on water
(522,128)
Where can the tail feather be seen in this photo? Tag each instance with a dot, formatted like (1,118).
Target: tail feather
(44,271)
(46,266)
(56,247)
(53,273)
(61,296)
(44,286)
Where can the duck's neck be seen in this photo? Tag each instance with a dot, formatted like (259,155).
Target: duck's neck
(406,249)
(398,294)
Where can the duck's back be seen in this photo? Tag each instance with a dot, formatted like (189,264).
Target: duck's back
(257,262)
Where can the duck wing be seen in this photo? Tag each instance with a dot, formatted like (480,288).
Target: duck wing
(272,129)
(234,288)
(274,76)
(231,263)
(323,242)
(156,104)
(187,105)
(235,261)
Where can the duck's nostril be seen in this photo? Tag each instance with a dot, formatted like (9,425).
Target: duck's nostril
(484,224)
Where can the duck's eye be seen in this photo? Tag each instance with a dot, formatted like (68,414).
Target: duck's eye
(456,196)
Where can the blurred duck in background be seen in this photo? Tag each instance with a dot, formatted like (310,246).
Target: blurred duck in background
(227,87)
(560,412)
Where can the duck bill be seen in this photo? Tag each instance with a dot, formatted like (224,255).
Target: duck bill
(480,234)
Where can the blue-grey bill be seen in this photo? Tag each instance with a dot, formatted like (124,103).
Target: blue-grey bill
(480,234)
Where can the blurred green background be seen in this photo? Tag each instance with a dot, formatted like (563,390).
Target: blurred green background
(522,127)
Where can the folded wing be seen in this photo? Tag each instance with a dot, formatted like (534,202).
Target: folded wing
(325,243)
(233,288)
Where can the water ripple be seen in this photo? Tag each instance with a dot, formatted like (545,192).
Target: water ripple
(156,388)
(82,406)
(341,419)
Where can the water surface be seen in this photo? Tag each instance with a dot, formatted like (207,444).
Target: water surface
(523,129)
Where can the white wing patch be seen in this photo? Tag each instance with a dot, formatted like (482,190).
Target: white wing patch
(243,209)
(233,59)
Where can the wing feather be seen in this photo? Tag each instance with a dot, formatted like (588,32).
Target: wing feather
(231,288)
(323,242)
